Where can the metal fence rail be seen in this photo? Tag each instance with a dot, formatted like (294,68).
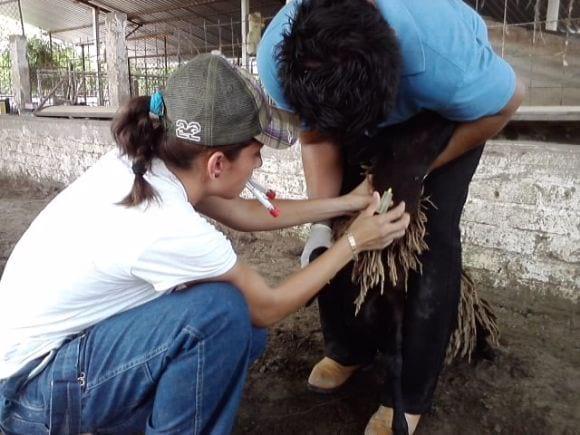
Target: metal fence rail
(545,53)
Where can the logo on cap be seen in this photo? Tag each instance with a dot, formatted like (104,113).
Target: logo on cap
(187,130)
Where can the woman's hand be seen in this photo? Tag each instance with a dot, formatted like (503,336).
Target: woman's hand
(360,197)
(268,305)
(377,231)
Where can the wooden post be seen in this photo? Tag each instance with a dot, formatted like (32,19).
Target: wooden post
(245,10)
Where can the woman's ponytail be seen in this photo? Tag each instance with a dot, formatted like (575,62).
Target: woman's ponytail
(138,136)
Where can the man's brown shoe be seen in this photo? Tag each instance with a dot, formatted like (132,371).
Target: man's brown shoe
(382,420)
(327,376)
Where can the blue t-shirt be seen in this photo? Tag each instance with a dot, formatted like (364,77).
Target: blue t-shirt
(449,65)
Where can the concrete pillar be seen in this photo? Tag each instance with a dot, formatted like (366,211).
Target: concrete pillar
(96,35)
(20,72)
(135,87)
(552,15)
(117,65)
(255,25)
(245,11)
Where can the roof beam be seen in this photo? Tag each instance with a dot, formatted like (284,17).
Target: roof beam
(181,17)
(183,5)
(142,22)
(104,7)
(148,36)
(70,29)
(174,54)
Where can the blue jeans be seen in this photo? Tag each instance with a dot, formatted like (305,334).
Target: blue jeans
(176,365)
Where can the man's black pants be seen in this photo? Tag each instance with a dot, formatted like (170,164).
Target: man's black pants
(430,310)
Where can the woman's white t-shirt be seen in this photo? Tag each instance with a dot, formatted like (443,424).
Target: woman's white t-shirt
(85,258)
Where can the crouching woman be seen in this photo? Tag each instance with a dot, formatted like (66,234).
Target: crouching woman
(122,309)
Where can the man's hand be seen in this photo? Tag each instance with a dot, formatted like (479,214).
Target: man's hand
(360,197)
(364,188)
(320,237)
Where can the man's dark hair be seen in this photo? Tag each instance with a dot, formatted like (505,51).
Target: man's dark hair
(340,66)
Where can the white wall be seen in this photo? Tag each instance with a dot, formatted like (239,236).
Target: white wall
(521,225)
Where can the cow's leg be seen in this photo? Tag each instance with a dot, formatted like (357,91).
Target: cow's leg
(432,297)
(345,339)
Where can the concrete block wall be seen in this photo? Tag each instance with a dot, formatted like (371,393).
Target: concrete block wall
(521,224)
(50,149)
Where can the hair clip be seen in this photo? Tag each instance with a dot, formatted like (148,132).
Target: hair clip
(157,104)
(139,168)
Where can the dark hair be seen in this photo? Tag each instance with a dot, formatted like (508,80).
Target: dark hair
(340,66)
(142,137)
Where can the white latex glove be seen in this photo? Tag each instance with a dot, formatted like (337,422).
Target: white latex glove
(320,237)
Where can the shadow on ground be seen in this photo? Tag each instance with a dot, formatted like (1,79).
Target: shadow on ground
(531,385)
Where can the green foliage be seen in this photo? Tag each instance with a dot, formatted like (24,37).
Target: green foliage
(39,54)
(5,76)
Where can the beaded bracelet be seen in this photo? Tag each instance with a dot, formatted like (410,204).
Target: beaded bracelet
(352,243)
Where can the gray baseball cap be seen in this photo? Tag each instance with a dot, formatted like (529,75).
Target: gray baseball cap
(212,102)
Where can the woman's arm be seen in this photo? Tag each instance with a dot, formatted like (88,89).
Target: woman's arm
(270,305)
(249,215)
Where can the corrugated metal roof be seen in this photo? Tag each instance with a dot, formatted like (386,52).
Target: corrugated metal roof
(192,25)
(50,14)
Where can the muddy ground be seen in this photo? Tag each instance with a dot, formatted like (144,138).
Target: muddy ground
(530,385)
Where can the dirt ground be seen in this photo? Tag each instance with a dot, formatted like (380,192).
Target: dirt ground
(530,385)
